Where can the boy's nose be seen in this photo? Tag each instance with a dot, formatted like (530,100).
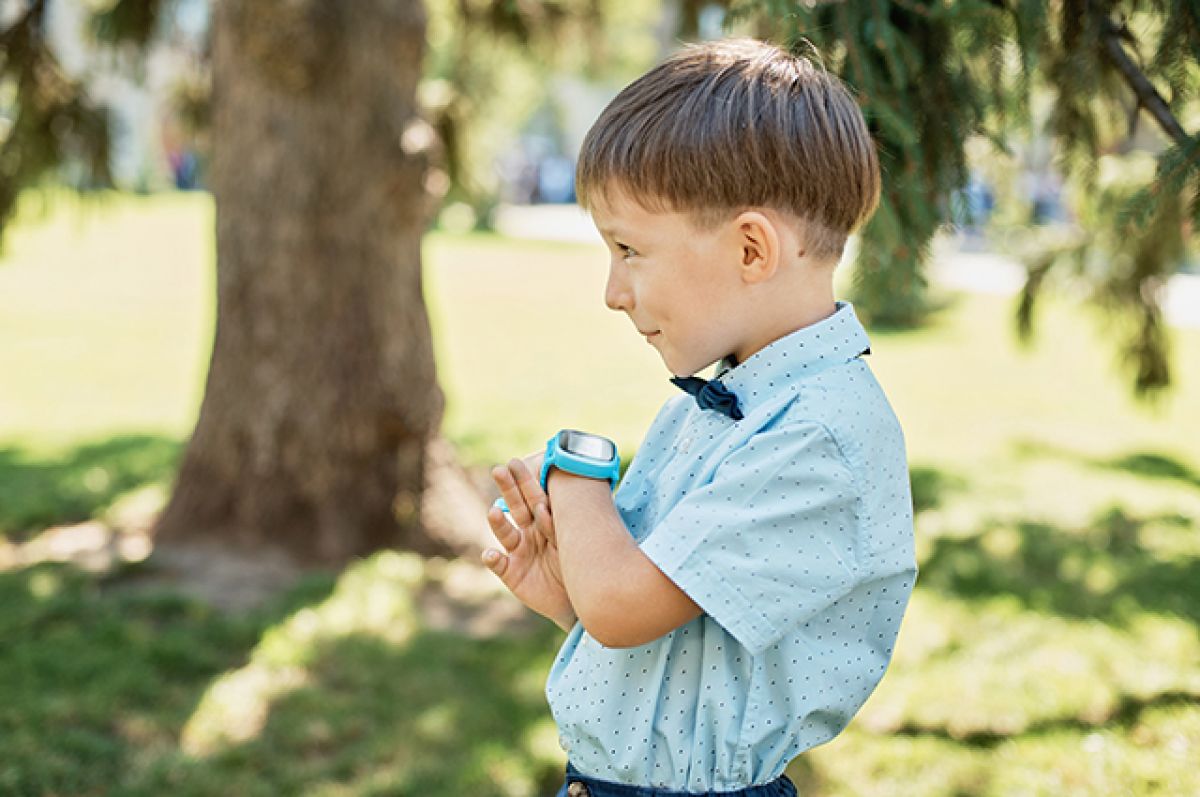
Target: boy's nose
(616,293)
(615,300)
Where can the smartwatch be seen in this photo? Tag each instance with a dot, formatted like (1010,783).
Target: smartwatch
(582,454)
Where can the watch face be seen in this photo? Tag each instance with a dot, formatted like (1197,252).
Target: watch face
(583,444)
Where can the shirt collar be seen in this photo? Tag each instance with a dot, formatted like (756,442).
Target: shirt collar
(782,363)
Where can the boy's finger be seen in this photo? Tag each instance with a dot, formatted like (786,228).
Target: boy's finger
(495,561)
(521,514)
(543,522)
(528,484)
(505,533)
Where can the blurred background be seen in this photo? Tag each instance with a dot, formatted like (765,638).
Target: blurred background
(281,280)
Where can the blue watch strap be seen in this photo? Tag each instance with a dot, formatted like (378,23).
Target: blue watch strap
(548,462)
(586,460)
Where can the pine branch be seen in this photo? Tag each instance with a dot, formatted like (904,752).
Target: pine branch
(14,35)
(1148,96)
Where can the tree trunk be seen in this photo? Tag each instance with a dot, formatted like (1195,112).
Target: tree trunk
(322,393)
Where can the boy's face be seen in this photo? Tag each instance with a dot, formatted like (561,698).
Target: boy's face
(678,285)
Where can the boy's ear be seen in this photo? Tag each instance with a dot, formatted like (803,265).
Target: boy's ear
(760,246)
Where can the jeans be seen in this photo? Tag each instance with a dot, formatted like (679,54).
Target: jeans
(592,787)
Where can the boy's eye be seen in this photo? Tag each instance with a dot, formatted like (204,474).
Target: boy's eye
(626,251)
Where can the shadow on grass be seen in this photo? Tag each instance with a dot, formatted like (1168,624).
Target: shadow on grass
(87,679)
(36,493)
(97,685)
(1147,464)
(930,486)
(1103,571)
(1154,466)
(1126,715)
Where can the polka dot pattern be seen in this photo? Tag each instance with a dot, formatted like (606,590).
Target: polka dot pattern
(792,529)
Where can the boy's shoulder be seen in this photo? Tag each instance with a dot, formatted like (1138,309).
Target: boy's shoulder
(850,404)
(846,398)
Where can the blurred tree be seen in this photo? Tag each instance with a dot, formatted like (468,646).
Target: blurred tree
(930,76)
(322,403)
(322,394)
(322,399)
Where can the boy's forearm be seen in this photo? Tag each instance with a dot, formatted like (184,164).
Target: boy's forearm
(595,549)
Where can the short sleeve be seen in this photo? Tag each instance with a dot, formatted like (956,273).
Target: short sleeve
(771,540)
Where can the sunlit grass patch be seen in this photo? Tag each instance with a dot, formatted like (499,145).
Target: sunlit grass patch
(372,598)
(981,670)
(1150,754)
(106,313)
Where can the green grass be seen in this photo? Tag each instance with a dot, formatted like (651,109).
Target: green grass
(334,689)
(1052,647)
(90,480)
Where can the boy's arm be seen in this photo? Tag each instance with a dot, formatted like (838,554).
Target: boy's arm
(620,596)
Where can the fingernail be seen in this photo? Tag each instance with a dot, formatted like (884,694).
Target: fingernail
(491,556)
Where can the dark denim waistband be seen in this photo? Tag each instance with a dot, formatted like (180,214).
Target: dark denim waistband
(780,787)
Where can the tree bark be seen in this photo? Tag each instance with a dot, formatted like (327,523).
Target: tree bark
(322,392)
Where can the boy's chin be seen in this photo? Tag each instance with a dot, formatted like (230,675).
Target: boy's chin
(685,370)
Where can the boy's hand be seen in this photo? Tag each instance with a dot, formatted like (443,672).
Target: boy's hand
(528,566)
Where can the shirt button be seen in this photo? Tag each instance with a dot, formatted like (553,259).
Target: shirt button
(562,742)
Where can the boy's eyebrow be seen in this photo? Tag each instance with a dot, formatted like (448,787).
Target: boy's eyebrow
(611,233)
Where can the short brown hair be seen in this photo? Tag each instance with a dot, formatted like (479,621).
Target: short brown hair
(733,124)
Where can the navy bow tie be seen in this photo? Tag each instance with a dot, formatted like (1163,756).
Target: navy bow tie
(710,395)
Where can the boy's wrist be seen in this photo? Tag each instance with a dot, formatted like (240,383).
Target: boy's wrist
(560,478)
(578,503)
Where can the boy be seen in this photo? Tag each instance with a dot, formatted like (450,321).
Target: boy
(737,600)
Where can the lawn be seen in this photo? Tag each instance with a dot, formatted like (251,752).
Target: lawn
(1051,647)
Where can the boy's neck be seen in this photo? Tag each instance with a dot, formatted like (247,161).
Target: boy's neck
(807,315)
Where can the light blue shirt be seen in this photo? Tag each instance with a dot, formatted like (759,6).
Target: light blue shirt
(792,529)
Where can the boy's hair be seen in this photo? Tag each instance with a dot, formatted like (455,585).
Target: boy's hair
(733,124)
